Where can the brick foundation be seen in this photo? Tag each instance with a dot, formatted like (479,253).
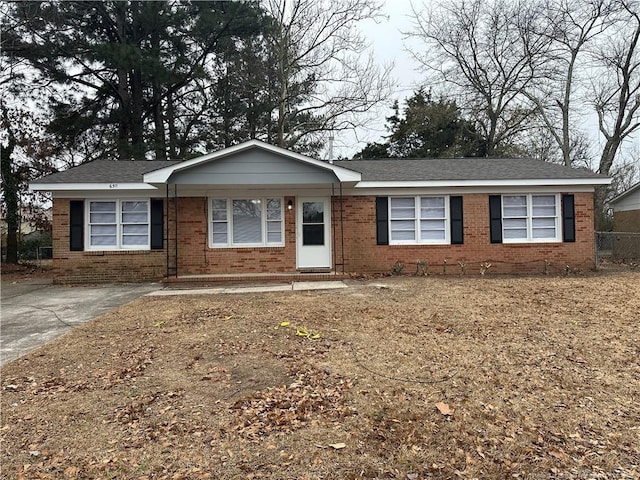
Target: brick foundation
(357,245)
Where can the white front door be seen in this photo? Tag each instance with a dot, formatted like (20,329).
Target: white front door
(313,233)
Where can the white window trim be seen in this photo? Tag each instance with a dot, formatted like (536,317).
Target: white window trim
(118,246)
(419,241)
(529,218)
(263,221)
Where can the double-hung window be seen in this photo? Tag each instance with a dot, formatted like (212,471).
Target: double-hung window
(418,220)
(530,218)
(246,222)
(118,224)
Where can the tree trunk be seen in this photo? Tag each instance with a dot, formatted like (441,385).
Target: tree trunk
(222,92)
(160,144)
(11,200)
(599,198)
(283,73)
(137,129)
(609,154)
(565,106)
(171,121)
(124,99)
(135,78)
(602,191)
(491,134)
(158,124)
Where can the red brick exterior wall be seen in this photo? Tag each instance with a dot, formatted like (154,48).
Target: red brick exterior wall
(95,267)
(357,245)
(364,256)
(195,257)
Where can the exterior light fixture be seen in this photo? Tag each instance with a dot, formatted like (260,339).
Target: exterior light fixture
(290,205)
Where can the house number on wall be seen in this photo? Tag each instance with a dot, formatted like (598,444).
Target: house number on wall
(113,185)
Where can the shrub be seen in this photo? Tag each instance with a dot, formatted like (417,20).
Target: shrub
(28,248)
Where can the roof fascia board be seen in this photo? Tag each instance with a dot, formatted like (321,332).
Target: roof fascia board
(317,190)
(505,190)
(53,187)
(103,195)
(163,174)
(484,183)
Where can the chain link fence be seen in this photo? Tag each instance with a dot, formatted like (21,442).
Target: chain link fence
(617,247)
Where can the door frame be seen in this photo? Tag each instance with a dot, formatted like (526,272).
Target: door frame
(327,249)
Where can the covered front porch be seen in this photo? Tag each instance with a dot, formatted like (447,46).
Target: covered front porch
(255,212)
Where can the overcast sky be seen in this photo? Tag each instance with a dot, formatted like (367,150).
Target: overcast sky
(387,43)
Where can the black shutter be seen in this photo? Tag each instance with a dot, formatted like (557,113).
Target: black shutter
(455,210)
(568,219)
(157,224)
(382,220)
(76,225)
(495,218)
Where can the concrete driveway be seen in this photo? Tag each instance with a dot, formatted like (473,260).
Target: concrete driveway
(35,312)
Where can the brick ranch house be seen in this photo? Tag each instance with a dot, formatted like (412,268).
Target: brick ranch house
(258,209)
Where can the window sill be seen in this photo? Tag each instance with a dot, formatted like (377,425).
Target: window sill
(525,241)
(434,244)
(245,247)
(102,253)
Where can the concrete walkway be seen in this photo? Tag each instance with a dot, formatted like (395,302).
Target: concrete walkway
(294,286)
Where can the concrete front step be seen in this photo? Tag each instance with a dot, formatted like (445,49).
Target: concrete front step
(182,289)
(193,280)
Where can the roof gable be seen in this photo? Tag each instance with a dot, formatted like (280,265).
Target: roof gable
(252,167)
(235,163)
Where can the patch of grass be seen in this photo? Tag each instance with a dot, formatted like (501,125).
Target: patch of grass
(541,374)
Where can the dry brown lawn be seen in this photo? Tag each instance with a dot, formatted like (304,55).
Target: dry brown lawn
(411,378)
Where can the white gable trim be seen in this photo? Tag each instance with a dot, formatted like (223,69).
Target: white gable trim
(162,175)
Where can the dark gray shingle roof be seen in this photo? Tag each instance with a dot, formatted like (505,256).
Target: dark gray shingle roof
(390,170)
(107,171)
(435,169)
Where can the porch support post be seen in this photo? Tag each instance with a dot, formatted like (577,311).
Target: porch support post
(175,198)
(333,228)
(166,228)
(341,227)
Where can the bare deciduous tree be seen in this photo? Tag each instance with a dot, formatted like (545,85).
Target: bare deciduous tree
(324,82)
(617,91)
(490,54)
(570,26)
